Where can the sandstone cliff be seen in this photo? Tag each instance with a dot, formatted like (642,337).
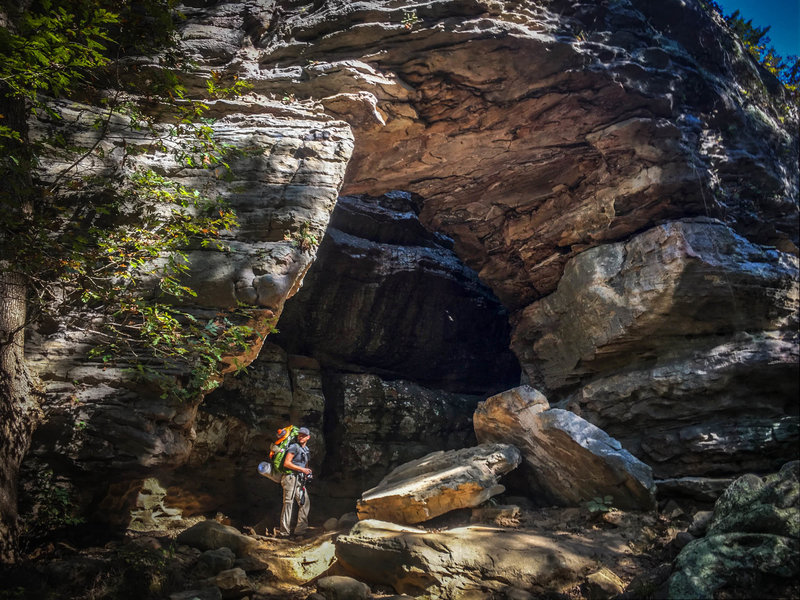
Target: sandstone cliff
(610,189)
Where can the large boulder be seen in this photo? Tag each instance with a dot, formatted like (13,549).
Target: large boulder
(467,563)
(570,460)
(630,342)
(438,483)
(752,545)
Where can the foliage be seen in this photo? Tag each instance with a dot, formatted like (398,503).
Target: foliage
(757,43)
(600,505)
(409,18)
(122,256)
(217,88)
(54,50)
(52,508)
(303,238)
(143,571)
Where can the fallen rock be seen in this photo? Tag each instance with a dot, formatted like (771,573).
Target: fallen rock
(438,483)
(212,562)
(760,505)
(232,583)
(211,535)
(571,461)
(384,424)
(752,544)
(501,514)
(347,520)
(338,587)
(602,585)
(466,563)
(637,331)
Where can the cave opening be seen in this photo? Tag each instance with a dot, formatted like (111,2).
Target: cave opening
(384,353)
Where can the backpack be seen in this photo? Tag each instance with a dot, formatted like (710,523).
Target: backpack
(274,469)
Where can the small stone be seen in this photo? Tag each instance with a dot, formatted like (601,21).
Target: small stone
(494,514)
(700,522)
(212,562)
(331,524)
(339,587)
(601,585)
(347,520)
(147,542)
(671,510)
(233,583)
(209,535)
(682,538)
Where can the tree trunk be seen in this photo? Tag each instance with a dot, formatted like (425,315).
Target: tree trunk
(19,409)
(19,405)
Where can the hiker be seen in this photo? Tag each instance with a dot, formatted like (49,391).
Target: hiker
(293,484)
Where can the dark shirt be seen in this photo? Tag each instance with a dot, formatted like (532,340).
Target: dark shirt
(301,454)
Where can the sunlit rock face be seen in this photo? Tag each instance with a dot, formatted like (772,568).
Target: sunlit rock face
(535,130)
(681,342)
(535,134)
(98,413)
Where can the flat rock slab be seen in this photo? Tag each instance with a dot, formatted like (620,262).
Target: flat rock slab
(464,563)
(296,564)
(571,460)
(438,483)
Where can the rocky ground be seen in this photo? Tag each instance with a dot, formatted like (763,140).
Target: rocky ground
(635,547)
(745,546)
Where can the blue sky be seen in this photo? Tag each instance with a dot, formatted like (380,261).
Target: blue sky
(782,15)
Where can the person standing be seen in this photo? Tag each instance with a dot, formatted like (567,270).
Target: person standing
(293,483)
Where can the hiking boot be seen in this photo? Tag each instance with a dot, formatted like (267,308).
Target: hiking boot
(303,535)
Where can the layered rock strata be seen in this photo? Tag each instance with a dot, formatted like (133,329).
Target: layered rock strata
(622,120)
(101,420)
(533,132)
(682,343)
(388,297)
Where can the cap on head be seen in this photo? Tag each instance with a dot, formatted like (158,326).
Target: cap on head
(303,431)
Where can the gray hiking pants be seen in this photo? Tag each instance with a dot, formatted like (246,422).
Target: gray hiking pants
(292,492)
